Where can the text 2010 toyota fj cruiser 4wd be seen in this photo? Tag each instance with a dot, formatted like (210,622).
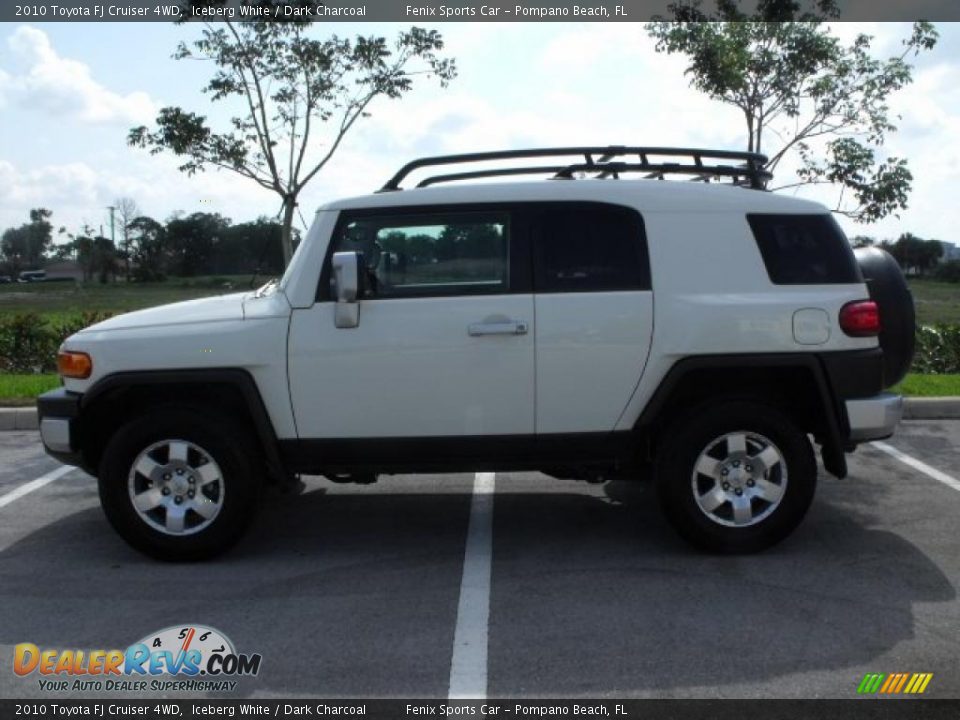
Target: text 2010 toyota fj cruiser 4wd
(585,326)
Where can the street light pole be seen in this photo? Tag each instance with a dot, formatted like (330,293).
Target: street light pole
(113,238)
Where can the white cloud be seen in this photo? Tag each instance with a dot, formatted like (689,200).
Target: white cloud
(43,80)
(72,183)
(79,193)
(587,85)
(4,84)
(520,85)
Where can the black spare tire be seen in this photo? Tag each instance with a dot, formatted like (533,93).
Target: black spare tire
(898,322)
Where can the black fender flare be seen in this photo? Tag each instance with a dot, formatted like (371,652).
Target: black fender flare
(834,411)
(239,379)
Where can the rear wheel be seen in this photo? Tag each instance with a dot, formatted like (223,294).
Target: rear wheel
(735,476)
(179,483)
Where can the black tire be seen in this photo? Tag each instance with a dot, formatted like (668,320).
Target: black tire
(898,323)
(680,450)
(229,445)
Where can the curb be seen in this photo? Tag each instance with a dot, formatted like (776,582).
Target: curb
(21,418)
(942,408)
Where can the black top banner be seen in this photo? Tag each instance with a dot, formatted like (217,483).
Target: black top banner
(493,708)
(432,11)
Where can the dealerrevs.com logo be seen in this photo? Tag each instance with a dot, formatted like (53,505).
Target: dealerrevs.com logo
(182,657)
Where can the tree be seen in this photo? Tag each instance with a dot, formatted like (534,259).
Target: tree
(862,241)
(104,259)
(949,271)
(290,86)
(147,242)
(13,246)
(929,256)
(82,245)
(25,246)
(252,247)
(469,241)
(62,251)
(127,211)
(823,102)
(915,255)
(190,241)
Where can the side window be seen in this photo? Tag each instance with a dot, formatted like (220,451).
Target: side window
(804,250)
(456,253)
(591,248)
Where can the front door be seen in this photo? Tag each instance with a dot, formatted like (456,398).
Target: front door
(445,342)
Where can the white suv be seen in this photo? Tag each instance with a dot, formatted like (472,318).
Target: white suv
(585,326)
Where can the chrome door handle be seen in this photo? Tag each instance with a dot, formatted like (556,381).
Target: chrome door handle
(512,327)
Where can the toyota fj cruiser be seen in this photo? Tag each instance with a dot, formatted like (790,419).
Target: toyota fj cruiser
(586,326)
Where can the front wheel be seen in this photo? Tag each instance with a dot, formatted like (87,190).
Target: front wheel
(735,476)
(179,483)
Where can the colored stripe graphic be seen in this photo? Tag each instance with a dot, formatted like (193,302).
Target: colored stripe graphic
(894,683)
(870,683)
(900,683)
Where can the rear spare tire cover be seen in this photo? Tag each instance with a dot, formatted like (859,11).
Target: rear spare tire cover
(898,324)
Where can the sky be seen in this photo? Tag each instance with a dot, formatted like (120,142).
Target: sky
(69,93)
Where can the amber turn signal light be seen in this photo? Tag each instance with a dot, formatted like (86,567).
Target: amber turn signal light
(74,364)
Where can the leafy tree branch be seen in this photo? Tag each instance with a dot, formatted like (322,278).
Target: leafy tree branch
(826,103)
(298,96)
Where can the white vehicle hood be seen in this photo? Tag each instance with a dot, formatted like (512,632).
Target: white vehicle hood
(202,310)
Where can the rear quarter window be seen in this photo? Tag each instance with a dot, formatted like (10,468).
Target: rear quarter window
(804,250)
(590,247)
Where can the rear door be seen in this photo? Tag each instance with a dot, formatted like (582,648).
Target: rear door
(594,311)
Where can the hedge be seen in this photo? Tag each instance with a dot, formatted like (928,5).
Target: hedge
(938,350)
(28,344)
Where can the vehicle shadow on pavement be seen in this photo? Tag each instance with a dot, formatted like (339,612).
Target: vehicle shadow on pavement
(354,592)
(595,598)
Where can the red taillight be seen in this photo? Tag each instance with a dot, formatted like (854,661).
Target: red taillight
(860,318)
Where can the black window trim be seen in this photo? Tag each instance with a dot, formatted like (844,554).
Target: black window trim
(519,273)
(524,230)
(639,244)
(853,266)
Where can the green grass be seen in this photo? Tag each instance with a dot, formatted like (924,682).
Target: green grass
(23,389)
(18,390)
(936,302)
(929,385)
(56,300)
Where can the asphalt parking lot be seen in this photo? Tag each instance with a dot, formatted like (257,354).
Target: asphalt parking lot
(365,591)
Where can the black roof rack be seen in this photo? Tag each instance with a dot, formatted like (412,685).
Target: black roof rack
(703,165)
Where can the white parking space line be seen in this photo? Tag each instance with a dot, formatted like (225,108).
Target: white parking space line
(918,465)
(468,668)
(29,487)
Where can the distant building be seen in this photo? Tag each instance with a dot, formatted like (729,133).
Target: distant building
(950,251)
(64,270)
